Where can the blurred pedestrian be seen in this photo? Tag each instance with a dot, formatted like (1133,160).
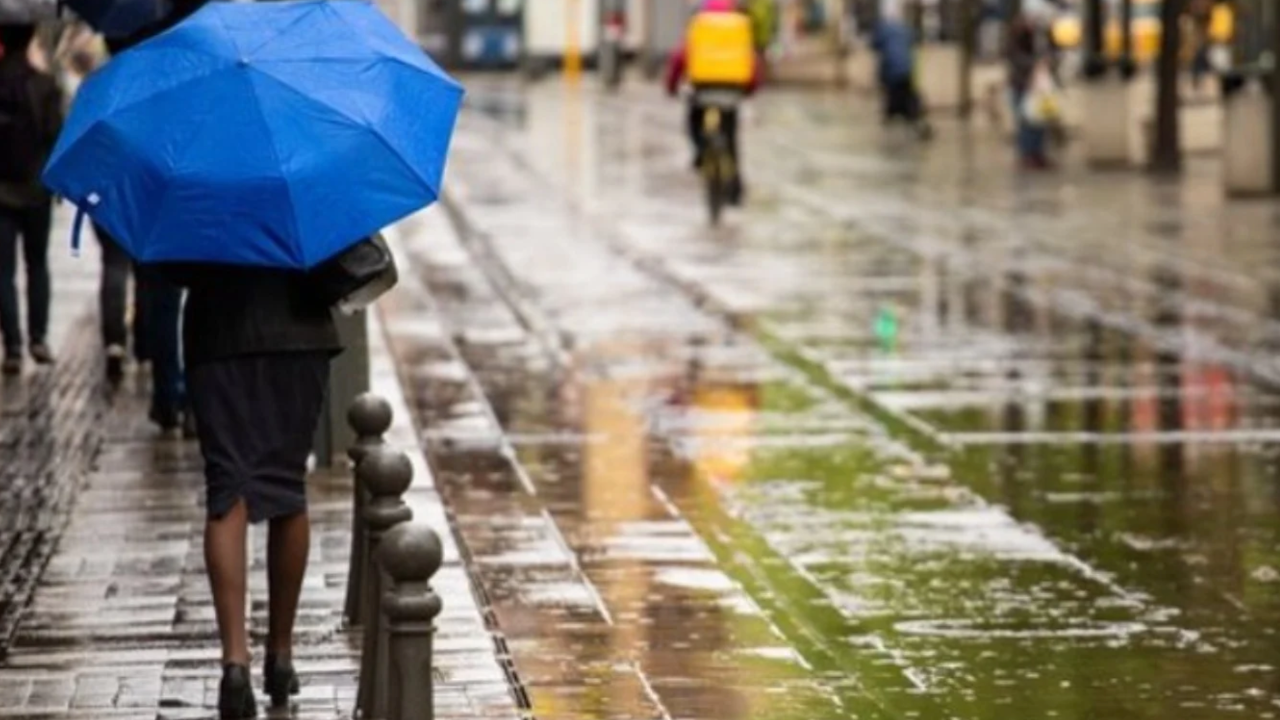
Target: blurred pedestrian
(1030,59)
(764,23)
(157,300)
(30,120)
(990,21)
(710,52)
(894,42)
(113,307)
(258,345)
(1197,21)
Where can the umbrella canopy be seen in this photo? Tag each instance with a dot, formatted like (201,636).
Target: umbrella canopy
(118,18)
(271,134)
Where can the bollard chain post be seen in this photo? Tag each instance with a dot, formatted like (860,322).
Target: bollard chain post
(369,417)
(385,475)
(410,555)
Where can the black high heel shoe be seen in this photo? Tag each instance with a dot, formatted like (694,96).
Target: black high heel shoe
(235,694)
(280,680)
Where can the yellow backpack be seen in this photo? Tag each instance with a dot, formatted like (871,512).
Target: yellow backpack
(1222,24)
(721,50)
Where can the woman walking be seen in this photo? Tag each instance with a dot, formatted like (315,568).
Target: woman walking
(1030,54)
(30,120)
(244,218)
(258,344)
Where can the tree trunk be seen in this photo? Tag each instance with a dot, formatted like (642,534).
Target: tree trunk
(1166,145)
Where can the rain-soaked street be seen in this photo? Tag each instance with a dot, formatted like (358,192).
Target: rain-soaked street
(910,436)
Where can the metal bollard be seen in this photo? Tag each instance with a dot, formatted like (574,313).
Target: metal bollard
(410,555)
(369,417)
(348,377)
(385,475)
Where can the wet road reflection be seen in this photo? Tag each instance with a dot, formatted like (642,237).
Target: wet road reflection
(1054,494)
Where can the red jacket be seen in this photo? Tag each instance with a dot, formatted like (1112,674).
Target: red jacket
(680,58)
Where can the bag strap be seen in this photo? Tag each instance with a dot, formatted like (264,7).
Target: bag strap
(77,228)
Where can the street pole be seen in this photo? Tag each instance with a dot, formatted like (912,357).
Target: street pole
(1166,145)
(1093,39)
(968,37)
(1274,20)
(613,22)
(348,378)
(1238,43)
(573,41)
(842,41)
(1126,32)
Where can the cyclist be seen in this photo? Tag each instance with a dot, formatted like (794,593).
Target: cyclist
(708,59)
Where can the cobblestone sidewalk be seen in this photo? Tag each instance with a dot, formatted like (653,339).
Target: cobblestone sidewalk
(49,430)
(121,624)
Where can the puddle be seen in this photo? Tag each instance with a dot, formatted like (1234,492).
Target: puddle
(1094,537)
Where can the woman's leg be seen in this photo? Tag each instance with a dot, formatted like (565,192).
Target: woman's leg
(288,545)
(224,557)
(163,313)
(1038,144)
(113,296)
(694,126)
(10,317)
(142,350)
(1024,128)
(36,226)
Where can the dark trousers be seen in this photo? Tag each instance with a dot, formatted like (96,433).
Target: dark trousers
(113,298)
(161,315)
(728,121)
(901,100)
(1032,139)
(156,321)
(29,229)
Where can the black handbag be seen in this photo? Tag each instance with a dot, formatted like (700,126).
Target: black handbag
(356,277)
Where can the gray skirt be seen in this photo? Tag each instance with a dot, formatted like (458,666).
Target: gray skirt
(256,418)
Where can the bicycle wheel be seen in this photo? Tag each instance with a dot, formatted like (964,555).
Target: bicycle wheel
(713,168)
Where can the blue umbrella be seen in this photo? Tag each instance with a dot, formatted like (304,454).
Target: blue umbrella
(118,18)
(271,134)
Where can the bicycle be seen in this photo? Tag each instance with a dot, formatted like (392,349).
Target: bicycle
(718,167)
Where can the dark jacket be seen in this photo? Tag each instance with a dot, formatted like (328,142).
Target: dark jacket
(236,311)
(895,43)
(46,101)
(1029,46)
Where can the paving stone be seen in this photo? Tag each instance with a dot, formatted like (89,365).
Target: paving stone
(121,624)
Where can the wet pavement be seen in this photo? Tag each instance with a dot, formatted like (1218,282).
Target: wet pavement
(911,436)
(108,611)
(48,433)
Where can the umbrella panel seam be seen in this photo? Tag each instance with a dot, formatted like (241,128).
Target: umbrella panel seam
(362,123)
(275,152)
(384,55)
(175,170)
(151,96)
(281,32)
